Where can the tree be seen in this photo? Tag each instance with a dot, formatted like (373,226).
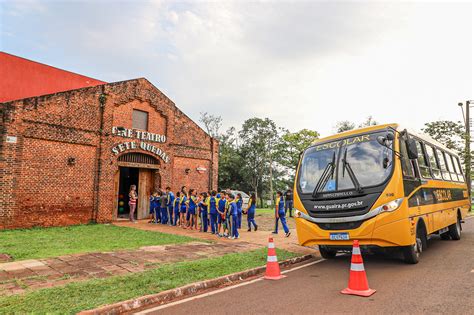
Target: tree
(449,133)
(231,163)
(293,144)
(259,142)
(368,122)
(344,125)
(212,123)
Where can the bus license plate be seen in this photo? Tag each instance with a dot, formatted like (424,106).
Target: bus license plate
(339,236)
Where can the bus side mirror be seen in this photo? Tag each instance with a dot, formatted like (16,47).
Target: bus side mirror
(385,141)
(412,150)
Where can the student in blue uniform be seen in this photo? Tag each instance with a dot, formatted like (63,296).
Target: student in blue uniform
(191,216)
(204,212)
(221,213)
(164,208)
(228,217)
(280,214)
(212,206)
(157,210)
(233,211)
(239,203)
(176,208)
(152,207)
(170,198)
(183,208)
(251,213)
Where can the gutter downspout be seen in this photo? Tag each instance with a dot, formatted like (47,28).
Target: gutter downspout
(102,100)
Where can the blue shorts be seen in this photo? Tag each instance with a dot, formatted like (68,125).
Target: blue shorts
(192,211)
(183,210)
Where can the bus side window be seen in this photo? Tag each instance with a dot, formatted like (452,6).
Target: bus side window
(422,161)
(442,164)
(407,166)
(458,168)
(435,171)
(449,164)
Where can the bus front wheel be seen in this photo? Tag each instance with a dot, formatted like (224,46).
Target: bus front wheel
(412,253)
(327,253)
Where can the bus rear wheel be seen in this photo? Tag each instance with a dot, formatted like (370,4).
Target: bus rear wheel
(327,253)
(455,230)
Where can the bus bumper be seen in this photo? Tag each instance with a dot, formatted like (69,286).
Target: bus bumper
(373,232)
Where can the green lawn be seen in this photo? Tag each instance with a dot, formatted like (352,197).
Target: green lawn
(78,296)
(56,241)
(265,211)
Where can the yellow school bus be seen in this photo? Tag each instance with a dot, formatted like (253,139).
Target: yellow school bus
(389,188)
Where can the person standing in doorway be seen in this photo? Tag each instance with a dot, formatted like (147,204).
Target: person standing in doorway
(170,197)
(289,202)
(251,213)
(280,214)
(132,202)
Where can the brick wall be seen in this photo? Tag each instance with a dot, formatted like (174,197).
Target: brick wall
(54,128)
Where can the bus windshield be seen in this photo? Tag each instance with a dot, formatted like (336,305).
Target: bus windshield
(360,162)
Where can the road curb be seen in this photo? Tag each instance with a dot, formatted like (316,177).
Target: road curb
(190,289)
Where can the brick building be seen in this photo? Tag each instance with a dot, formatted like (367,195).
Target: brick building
(70,157)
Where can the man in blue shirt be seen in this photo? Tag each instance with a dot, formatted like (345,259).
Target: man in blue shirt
(170,204)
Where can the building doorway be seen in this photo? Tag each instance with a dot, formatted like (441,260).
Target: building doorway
(128,176)
(140,170)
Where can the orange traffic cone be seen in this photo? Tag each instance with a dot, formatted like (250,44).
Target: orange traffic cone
(358,284)
(273,268)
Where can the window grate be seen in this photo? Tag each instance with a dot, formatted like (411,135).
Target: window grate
(138,158)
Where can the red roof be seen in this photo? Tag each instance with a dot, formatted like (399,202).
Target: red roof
(22,78)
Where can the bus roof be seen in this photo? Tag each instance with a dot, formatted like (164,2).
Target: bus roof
(398,127)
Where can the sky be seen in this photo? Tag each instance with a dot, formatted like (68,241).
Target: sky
(303,64)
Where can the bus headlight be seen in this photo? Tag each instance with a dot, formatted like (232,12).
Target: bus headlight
(391,206)
(298,213)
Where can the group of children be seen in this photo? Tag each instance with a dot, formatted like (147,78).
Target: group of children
(221,213)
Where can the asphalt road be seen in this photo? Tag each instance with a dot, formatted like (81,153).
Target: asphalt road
(442,282)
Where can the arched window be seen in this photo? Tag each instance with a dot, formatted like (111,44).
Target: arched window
(138,160)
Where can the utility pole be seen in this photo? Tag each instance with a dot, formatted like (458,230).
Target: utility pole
(468,151)
(467,159)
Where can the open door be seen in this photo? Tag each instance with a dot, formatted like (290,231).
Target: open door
(145,187)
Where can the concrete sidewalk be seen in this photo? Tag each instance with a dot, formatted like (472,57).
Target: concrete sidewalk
(18,276)
(260,237)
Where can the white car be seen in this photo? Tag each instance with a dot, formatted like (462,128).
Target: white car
(245,198)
